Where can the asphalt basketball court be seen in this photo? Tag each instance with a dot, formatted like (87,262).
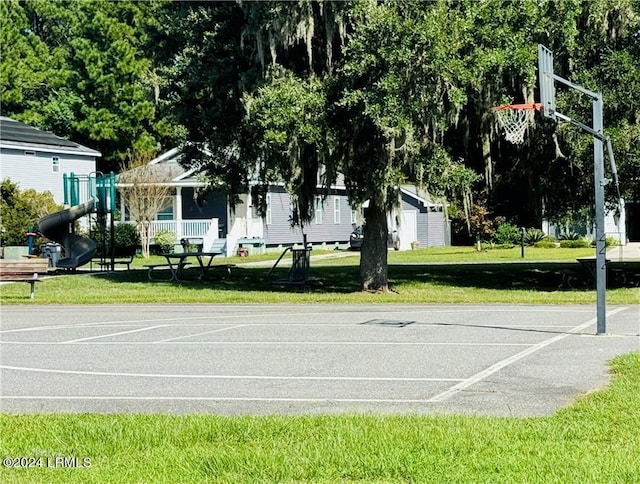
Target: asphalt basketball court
(293,359)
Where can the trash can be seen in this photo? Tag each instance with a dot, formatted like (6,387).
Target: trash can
(299,271)
(51,251)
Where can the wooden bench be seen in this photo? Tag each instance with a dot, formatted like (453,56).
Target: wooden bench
(23,271)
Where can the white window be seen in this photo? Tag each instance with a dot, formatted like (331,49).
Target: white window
(336,210)
(55,164)
(318,210)
(165,214)
(268,214)
(354,217)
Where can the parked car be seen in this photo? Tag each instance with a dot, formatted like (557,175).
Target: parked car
(357,237)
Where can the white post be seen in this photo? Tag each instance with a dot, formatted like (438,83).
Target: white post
(178,213)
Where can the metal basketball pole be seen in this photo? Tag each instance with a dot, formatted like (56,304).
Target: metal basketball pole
(600,182)
(547,93)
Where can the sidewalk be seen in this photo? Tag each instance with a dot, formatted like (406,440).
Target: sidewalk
(624,253)
(287,261)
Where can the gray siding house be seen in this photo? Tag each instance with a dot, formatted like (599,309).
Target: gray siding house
(333,221)
(223,229)
(32,158)
(422,220)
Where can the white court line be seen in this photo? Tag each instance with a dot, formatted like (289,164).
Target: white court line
(353,308)
(225,377)
(218,399)
(124,322)
(199,334)
(113,334)
(129,322)
(259,312)
(417,324)
(463,385)
(256,343)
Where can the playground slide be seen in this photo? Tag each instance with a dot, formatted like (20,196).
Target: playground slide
(78,249)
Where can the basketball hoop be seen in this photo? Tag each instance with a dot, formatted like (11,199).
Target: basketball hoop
(514,120)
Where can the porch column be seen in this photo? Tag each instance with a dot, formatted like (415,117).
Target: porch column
(178,213)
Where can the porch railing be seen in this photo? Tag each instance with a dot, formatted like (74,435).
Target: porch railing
(182,228)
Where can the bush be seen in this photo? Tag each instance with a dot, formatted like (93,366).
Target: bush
(126,235)
(165,240)
(611,242)
(20,211)
(570,235)
(581,243)
(533,236)
(491,245)
(506,233)
(546,244)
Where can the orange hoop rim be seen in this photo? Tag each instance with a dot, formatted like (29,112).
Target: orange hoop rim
(515,107)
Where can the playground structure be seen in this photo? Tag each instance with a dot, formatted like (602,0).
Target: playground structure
(85,195)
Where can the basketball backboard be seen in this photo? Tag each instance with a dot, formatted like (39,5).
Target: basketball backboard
(547,84)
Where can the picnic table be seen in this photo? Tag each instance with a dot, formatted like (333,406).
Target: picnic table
(616,275)
(177,262)
(589,265)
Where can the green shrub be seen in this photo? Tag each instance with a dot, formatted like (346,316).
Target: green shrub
(506,233)
(545,244)
(611,242)
(575,244)
(570,235)
(126,235)
(165,240)
(20,211)
(491,245)
(533,236)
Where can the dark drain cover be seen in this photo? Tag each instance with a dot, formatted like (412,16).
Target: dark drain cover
(389,322)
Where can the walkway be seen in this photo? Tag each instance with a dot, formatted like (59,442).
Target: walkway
(624,253)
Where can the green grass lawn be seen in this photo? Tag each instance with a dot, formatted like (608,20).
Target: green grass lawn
(433,275)
(596,440)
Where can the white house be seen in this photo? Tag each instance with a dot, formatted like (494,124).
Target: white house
(623,226)
(32,158)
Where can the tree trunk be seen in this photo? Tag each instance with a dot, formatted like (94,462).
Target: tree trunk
(488,161)
(373,256)
(143,230)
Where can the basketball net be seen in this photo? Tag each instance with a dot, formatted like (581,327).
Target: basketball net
(514,120)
